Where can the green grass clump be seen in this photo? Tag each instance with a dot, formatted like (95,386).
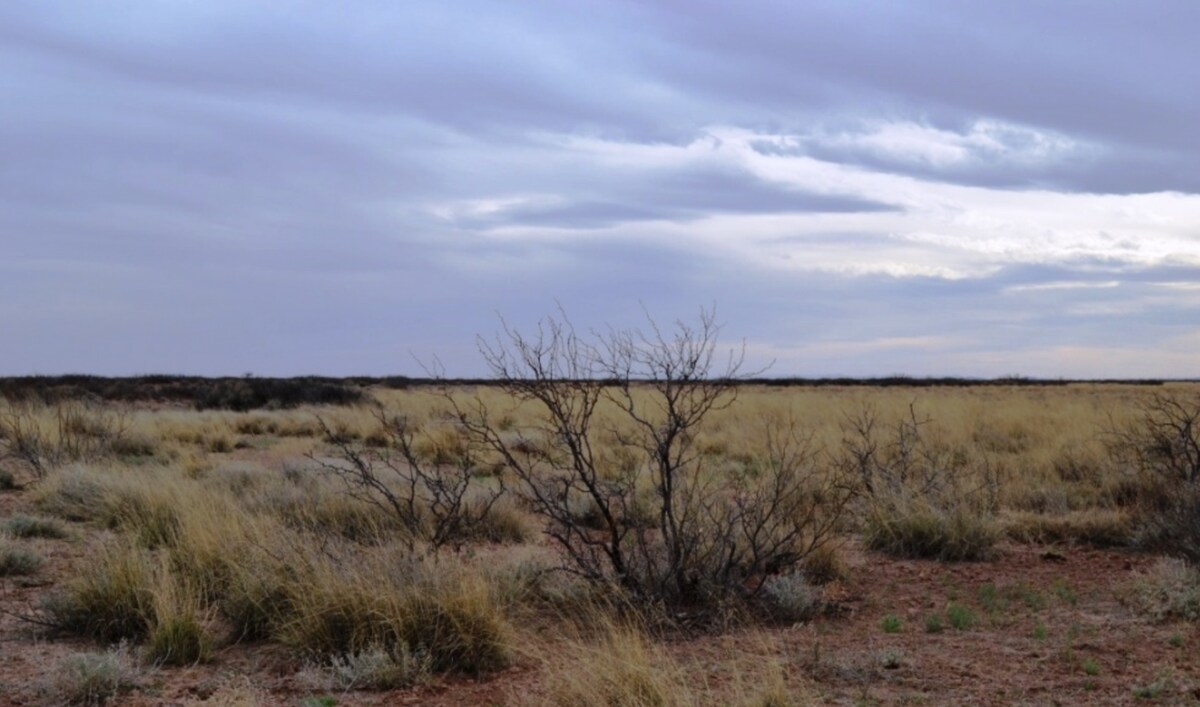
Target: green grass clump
(891,624)
(906,529)
(960,617)
(933,624)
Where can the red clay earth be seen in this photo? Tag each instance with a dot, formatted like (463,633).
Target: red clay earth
(1048,629)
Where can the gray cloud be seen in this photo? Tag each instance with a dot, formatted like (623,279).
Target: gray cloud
(927,187)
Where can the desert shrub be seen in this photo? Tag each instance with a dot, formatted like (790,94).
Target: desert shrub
(8,481)
(613,468)
(376,668)
(922,498)
(1169,590)
(43,438)
(93,678)
(15,560)
(792,597)
(426,489)
(1162,448)
(110,599)
(23,526)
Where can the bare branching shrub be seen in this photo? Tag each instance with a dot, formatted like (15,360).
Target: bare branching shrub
(1161,447)
(613,468)
(922,498)
(42,438)
(433,497)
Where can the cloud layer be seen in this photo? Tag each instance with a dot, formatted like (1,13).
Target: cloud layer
(861,188)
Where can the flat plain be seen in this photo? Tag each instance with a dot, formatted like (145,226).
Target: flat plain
(988,544)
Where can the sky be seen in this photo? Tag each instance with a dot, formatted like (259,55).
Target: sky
(928,187)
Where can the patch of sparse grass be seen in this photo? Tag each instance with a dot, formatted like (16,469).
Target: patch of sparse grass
(1152,690)
(1064,591)
(933,624)
(1091,667)
(23,526)
(891,624)
(1040,632)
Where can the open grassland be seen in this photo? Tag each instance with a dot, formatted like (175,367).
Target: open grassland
(832,545)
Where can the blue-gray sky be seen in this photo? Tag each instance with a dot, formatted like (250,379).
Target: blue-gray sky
(862,188)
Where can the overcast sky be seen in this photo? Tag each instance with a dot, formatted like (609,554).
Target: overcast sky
(861,188)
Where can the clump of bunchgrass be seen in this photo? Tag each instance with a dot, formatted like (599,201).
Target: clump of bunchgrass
(110,599)
(437,609)
(919,530)
(178,633)
(622,668)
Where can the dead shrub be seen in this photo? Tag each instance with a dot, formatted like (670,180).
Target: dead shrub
(614,470)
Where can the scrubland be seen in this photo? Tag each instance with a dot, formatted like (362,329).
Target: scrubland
(834,545)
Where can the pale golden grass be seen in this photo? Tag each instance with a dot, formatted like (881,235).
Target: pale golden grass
(180,628)
(606,662)
(228,527)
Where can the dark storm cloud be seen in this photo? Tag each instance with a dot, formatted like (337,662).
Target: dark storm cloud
(862,187)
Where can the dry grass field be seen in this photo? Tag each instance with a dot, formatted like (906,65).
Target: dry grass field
(998,544)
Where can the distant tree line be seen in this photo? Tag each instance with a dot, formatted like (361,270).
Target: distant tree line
(253,392)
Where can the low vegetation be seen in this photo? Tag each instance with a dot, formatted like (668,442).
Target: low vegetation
(607,501)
